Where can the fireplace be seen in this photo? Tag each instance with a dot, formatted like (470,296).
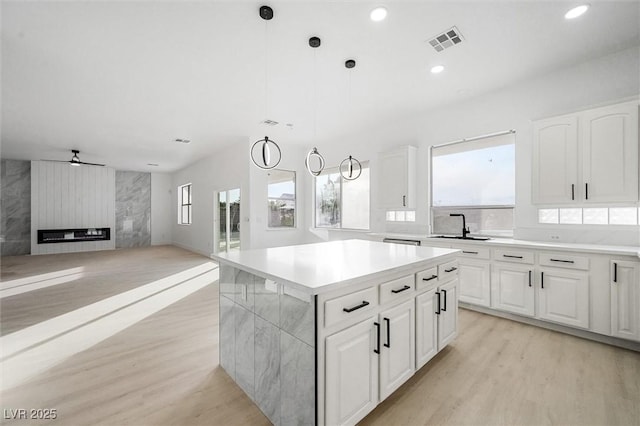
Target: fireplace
(52,236)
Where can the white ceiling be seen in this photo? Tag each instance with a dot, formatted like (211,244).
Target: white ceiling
(121,80)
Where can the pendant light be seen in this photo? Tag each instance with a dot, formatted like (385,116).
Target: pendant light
(265,159)
(350,168)
(314,42)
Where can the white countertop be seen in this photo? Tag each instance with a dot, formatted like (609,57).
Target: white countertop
(585,248)
(320,267)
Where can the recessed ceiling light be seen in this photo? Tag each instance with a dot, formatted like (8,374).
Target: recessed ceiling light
(378,14)
(576,11)
(437,69)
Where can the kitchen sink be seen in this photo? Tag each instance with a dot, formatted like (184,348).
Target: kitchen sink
(459,237)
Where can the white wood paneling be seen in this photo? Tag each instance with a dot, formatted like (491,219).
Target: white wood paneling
(71,197)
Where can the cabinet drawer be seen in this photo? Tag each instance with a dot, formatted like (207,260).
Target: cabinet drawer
(427,279)
(448,271)
(350,306)
(397,289)
(516,256)
(561,260)
(475,252)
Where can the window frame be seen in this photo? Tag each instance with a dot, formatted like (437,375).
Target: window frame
(188,204)
(332,170)
(433,209)
(295,204)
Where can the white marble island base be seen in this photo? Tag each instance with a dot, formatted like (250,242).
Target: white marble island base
(283,312)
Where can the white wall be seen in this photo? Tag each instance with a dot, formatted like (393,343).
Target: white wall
(161,208)
(65,197)
(226,169)
(601,81)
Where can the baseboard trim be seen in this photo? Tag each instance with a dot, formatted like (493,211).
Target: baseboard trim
(191,249)
(609,340)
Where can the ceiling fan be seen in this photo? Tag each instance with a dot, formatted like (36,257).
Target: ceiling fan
(75,160)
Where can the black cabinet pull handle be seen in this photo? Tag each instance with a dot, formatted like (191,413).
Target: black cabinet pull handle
(562,260)
(400,290)
(432,277)
(404,201)
(438,311)
(469,252)
(573,191)
(530,278)
(541,279)
(388,344)
(444,292)
(450,269)
(586,191)
(512,256)
(355,308)
(377,349)
(615,272)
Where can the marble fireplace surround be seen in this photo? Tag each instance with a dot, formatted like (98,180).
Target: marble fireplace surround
(267,336)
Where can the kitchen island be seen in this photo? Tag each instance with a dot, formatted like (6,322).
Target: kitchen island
(321,333)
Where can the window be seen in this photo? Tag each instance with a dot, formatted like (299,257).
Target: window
(281,199)
(184,204)
(341,203)
(590,216)
(477,178)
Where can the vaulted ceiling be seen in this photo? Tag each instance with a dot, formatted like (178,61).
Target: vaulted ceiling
(120,81)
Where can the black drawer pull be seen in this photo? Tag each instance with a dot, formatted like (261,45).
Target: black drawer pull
(541,279)
(562,260)
(530,278)
(438,311)
(362,305)
(586,191)
(406,287)
(451,269)
(512,256)
(573,191)
(388,344)
(615,272)
(445,300)
(432,277)
(469,252)
(377,349)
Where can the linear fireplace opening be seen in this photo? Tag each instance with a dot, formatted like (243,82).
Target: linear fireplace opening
(51,236)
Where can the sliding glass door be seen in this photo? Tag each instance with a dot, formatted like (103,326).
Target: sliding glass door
(228,226)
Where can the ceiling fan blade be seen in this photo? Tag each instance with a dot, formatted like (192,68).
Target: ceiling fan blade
(56,161)
(90,164)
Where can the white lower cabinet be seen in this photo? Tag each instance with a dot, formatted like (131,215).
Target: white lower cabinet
(426,327)
(351,385)
(448,313)
(512,289)
(625,299)
(474,277)
(564,297)
(397,351)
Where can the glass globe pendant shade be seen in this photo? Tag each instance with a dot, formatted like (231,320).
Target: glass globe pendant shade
(262,149)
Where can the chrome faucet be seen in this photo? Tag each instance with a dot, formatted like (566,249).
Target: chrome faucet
(465,230)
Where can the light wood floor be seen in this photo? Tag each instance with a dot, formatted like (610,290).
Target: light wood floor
(164,370)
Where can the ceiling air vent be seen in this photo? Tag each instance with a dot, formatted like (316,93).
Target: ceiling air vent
(449,38)
(269,122)
(178,140)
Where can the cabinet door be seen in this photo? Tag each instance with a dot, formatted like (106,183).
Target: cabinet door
(512,289)
(397,353)
(625,299)
(426,328)
(351,375)
(564,297)
(397,178)
(610,153)
(448,318)
(555,160)
(474,279)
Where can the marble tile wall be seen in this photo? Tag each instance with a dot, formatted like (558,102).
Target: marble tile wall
(267,345)
(133,209)
(15,207)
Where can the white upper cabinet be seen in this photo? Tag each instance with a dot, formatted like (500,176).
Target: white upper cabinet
(555,156)
(397,178)
(587,157)
(610,153)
